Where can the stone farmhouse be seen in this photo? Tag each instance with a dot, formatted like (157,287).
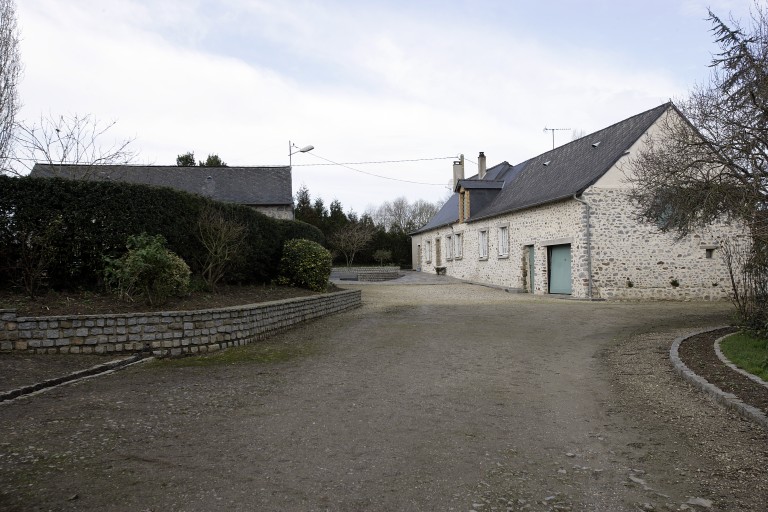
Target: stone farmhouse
(562,223)
(266,189)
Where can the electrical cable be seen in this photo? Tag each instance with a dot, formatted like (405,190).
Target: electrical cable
(382,161)
(375,175)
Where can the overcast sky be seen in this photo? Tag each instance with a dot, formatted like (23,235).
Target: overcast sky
(360,80)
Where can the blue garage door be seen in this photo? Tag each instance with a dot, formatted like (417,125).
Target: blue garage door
(560,269)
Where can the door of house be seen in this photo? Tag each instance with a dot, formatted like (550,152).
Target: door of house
(560,269)
(531,255)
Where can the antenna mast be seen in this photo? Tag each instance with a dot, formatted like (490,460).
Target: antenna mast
(553,130)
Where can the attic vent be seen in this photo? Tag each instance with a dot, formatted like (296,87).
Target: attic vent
(548,162)
(595,144)
(209,178)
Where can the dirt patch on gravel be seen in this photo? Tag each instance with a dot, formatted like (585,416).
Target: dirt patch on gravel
(698,354)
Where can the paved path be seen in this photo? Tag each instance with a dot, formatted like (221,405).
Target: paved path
(453,397)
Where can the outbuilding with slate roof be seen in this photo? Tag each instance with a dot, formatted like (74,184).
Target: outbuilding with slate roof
(563,223)
(266,189)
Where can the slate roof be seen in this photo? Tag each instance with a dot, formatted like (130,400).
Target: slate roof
(555,175)
(263,186)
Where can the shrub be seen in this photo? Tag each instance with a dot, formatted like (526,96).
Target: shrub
(305,264)
(148,269)
(382,255)
(223,240)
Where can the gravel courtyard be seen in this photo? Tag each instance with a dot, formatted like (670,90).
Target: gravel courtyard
(453,397)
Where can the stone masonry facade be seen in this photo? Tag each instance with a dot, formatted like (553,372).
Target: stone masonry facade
(630,260)
(169,333)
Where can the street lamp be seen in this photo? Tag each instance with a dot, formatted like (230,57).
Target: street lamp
(291,151)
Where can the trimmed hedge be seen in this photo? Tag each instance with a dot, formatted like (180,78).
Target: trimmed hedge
(94,220)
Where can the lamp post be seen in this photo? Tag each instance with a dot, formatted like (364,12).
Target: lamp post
(291,151)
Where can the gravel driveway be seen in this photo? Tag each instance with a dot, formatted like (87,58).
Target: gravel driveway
(454,397)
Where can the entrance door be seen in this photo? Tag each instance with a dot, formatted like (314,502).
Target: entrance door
(560,269)
(531,267)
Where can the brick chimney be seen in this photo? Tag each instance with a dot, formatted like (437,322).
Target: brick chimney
(458,170)
(481,166)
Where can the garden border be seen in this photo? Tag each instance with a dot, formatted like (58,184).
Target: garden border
(165,333)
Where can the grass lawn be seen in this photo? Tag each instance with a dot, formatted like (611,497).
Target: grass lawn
(748,353)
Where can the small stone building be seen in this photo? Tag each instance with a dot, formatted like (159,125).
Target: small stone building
(562,223)
(266,189)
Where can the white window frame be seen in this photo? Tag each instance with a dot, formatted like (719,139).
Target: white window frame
(448,247)
(503,234)
(482,244)
(458,248)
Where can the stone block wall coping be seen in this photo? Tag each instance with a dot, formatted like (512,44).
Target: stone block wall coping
(161,314)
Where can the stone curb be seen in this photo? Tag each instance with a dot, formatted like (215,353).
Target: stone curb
(81,374)
(732,366)
(727,399)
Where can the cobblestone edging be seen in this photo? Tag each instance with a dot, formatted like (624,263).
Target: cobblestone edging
(168,332)
(728,399)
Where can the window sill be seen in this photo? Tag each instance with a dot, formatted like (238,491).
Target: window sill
(503,256)
(483,258)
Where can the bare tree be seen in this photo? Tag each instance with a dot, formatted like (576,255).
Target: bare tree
(223,240)
(422,212)
(749,282)
(10,71)
(401,215)
(712,162)
(715,163)
(352,238)
(70,140)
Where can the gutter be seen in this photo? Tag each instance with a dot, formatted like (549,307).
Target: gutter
(589,247)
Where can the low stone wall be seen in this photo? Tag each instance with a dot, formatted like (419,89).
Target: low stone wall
(366,273)
(167,333)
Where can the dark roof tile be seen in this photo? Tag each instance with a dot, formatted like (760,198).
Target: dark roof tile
(242,185)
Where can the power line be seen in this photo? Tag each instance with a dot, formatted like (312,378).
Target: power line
(382,161)
(375,175)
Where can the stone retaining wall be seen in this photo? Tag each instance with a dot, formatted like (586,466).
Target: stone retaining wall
(168,332)
(367,273)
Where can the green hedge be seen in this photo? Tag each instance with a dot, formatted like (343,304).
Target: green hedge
(94,219)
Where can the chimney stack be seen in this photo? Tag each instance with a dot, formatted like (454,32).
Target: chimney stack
(481,166)
(458,171)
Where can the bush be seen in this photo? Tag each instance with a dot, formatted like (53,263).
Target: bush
(148,269)
(305,264)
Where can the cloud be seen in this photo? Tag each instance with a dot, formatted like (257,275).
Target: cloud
(360,83)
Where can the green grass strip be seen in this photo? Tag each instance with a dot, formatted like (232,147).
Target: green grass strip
(748,353)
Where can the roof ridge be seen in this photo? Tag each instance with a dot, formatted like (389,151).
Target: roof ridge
(606,128)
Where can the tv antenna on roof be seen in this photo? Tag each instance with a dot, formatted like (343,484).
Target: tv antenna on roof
(553,130)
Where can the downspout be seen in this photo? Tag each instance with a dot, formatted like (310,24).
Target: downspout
(589,248)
